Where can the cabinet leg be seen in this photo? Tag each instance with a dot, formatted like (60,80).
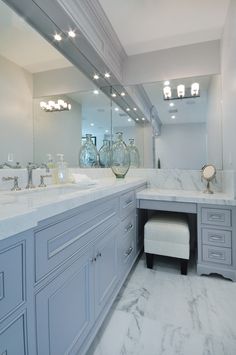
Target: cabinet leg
(184,266)
(149,260)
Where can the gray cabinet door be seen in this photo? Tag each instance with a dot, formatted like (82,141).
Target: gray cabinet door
(65,309)
(12,338)
(106,272)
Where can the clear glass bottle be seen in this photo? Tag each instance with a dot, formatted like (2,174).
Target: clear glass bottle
(134,154)
(120,157)
(88,155)
(105,154)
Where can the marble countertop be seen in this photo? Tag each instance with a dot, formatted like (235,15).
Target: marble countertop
(22,210)
(157,194)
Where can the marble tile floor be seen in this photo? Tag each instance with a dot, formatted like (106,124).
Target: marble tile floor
(160,312)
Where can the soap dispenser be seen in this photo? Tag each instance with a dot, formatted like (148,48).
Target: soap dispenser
(62,171)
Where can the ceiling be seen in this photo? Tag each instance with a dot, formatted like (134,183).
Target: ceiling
(149,25)
(192,110)
(27,48)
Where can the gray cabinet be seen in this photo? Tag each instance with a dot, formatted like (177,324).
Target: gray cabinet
(216,240)
(17,330)
(64,309)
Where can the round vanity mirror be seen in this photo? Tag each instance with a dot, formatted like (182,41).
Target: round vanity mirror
(208,173)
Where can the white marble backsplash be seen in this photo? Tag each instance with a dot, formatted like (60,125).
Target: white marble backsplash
(176,179)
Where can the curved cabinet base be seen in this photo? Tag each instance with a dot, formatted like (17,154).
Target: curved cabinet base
(208,270)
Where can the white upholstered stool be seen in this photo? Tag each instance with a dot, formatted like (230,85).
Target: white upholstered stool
(167,234)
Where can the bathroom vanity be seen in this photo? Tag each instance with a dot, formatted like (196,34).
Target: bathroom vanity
(66,253)
(59,279)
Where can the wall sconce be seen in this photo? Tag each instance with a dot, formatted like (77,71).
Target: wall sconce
(52,106)
(181,92)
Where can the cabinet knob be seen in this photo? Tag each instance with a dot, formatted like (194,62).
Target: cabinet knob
(92,260)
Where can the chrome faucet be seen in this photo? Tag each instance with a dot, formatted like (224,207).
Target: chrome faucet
(11,166)
(30,167)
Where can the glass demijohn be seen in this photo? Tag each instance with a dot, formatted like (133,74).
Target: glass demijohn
(88,155)
(120,158)
(134,154)
(105,154)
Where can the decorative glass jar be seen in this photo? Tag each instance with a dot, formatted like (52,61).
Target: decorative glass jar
(88,155)
(105,154)
(134,154)
(120,158)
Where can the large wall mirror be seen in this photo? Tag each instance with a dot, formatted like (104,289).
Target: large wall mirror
(190,125)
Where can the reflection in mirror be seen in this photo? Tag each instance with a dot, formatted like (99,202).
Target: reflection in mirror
(65,131)
(191,126)
(132,134)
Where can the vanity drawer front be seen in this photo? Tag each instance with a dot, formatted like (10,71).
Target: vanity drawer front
(12,279)
(127,204)
(216,237)
(128,225)
(217,255)
(215,216)
(126,251)
(58,242)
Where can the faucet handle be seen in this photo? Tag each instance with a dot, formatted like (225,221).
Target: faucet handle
(42,183)
(15,179)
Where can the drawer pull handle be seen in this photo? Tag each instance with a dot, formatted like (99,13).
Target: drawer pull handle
(99,254)
(129,251)
(1,285)
(128,202)
(129,227)
(216,217)
(92,260)
(216,237)
(217,255)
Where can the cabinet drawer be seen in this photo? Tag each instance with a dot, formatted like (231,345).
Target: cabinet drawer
(59,241)
(215,216)
(128,225)
(127,204)
(216,237)
(126,251)
(217,254)
(12,289)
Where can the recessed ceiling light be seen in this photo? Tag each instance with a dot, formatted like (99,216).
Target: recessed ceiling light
(57,37)
(128,109)
(173,117)
(135,109)
(91,124)
(166,82)
(137,119)
(143,118)
(107,75)
(171,104)
(96,92)
(71,34)
(116,109)
(96,76)
(122,93)
(113,94)
(106,131)
(129,119)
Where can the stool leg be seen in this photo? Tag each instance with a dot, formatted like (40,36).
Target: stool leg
(184,266)
(149,260)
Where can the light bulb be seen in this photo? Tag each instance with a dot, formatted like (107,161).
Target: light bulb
(116,109)
(96,92)
(135,109)
(91,124)
(113,94)
(57,37)
(96,76)
(173,117)
(69,107)
(167,92)
(128,109)
(60,102)
(107,75)
(166,83)
(181,90)
(71,34)
(122,93)
(129,119)
(137,119)
(194,89)
(171,104)
(43,104)
(52,103)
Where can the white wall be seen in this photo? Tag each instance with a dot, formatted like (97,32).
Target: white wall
(60,81)
(179,62)
(16,113)
(182,146)
(57,132)
(214,122)
(228,71)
